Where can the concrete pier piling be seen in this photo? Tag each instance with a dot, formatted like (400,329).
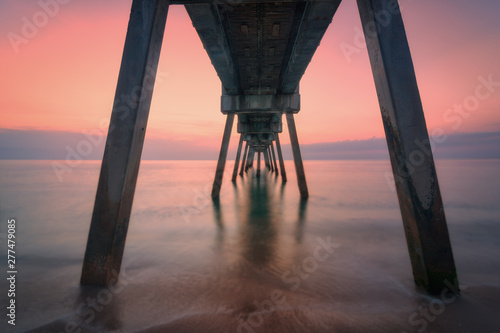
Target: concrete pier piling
(251,156)
(244,161)
(297,158)
(274,158)
(406,133)
(266,159)
(122,153)
(280,157)
(269,155)
(258,163)
(237,160)
(222,156)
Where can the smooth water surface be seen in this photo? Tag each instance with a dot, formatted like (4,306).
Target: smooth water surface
(257,260)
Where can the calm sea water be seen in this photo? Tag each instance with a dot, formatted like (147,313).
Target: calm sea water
(259,260)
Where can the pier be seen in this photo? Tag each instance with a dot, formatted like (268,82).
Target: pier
(260,50)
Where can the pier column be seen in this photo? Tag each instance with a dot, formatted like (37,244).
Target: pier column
(409,146)
(280,157)
(247,165)
(266,159)
(219,172)
(297,158)
(122,153)
(237,160)
(258,163)
(244,161)
(270,158)
(251,157)
(274,158)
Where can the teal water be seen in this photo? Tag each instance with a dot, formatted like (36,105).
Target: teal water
(257,261)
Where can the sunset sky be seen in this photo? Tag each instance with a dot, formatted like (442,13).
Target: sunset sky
(60,79)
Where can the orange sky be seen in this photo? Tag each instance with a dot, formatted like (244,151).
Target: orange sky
(64,78)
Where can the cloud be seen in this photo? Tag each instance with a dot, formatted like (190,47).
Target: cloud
(48,145)
(52,145)
(374,148)
(470,145)
(481,145)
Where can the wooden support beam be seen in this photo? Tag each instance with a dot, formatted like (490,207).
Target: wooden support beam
(244,161)
(237,160)
(297,158)
(409,146)
(122,153)
(274,158)
(280,157)
(222,155)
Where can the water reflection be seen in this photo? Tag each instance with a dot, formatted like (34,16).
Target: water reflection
(302,219)
(218,213)
(259,210)
(184,286)
(258,227)
(219,235)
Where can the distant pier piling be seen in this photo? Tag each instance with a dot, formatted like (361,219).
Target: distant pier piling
(244,161)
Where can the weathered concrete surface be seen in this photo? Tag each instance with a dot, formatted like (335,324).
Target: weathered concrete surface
(250,56)
(262,122)
(253,103)
(219,172)
(122,154)
(408,141)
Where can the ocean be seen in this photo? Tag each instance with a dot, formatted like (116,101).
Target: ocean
(258,260)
